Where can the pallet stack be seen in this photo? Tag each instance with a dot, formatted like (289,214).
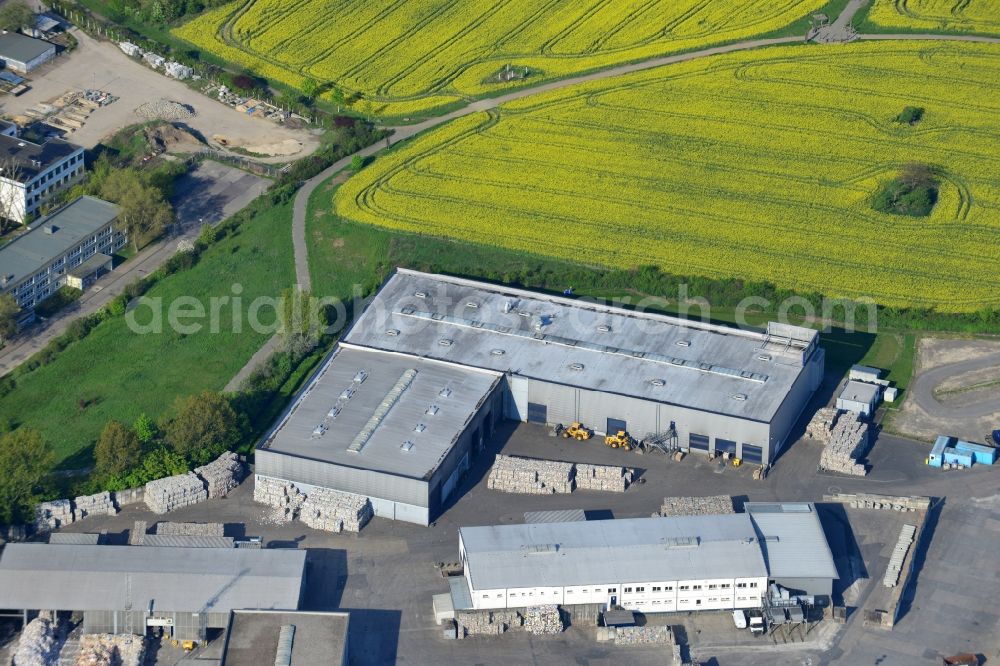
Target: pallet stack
(608,478)
(53,515)
(222,474)
(174,492)
(848,442)
(543,620)
(333,511)
(821,425)
(711,505)
(511,474)
(99,504)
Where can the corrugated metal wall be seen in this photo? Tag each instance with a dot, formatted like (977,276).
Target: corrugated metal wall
(186,626)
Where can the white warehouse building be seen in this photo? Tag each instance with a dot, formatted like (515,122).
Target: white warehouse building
(650,565)
(509,353)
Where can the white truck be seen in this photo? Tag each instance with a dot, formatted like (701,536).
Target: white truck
(757,626)
(740,619)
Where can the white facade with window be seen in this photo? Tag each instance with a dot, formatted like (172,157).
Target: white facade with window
(25,188)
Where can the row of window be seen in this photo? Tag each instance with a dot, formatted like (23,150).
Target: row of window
(642,588)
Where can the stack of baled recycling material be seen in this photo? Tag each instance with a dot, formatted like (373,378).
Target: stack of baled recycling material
(37,646)
(608,478)
(821,425)
(111,650)
(645,635)
(543,620)
(696,506)
(486,623)
(334,511)
(527,476)
(190,529)
(99,504)
(222,474)
(174,492)
(53,515)
(848,442)
(283,496)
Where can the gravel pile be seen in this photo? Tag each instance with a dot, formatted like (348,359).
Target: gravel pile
(608,478)
(111,650)
(711,505)
(222,474)
(38,645)
(511,474)
(164,109)
(174,492)
(99,504)
(543,620)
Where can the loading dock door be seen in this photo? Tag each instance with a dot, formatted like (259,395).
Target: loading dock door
(614,425)
(698,442)
(752,454)
(537,413)
(725,446)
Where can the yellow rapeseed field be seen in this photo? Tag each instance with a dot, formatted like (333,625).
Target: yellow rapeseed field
(759,164)
(980,16)
(412,57)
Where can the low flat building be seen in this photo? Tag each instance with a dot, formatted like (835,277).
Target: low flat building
(132,589)
(652,565)
(32,173)
(72,245)
(860,397)
(269,637)
(22,53)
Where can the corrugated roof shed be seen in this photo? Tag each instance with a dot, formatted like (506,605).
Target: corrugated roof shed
(793,540)
(579,343)
(635,549)
(186,541)
(79,578)
(15,46)
(564,516)
(856,391)
(252,637)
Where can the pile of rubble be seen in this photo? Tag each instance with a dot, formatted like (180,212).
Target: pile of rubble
(164,109)
(38,645)
(222,474)
(609,478)
(486,623)
(99,504)
(821,424)
(111,650)
(646,635)
(543,620)
(333,511)
(190,529)
(847,443)
(511,474)
(53,515)
(696,506)
(174,492)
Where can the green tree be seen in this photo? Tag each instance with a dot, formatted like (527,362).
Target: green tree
(145,429)
(25,459)
(118,450)
(144,211)
(357,163)
(8,316)
(338,97)
(205,426)
(15,15)
(311,88)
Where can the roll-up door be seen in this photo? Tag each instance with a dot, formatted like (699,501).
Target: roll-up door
(517,405)
(698,442)
(753,454)
(537,413)
(725,446)
(614,425)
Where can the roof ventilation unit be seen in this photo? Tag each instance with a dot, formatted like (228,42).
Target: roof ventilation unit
(420,294)
(446,342)
(472,305)
(392,332)
(420,427)
(445,392)
(319,430)
(604,328)
(407,445)
(576,366)
(361,376)
(657,382)
(764,357)
(497,352)
(432,410)
(683,343)
(740,396)
(509,305)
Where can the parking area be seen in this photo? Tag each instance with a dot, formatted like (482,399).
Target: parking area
(102,66)
(211,192)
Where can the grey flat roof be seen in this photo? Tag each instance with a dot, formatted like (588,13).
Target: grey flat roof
(859,391)
(23,154)
(564,516)
(387,428)
(612,551)
(578,343)
(73,222)
(794,543)
(80,578)
(15,46)
(252,638)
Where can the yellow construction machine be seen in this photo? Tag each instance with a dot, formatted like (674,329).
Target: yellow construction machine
(578,432)
(620,440)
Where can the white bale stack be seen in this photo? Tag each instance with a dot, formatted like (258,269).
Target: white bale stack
(190,529)
(99,504)
(174,492)
(848,442)
(821,425)
(511,474)
(608,478)
(53,515)
(697,506)
(334,511)
(646,635)
(37,646)
(543,620)
(283,496)
(486,623)
(111,650)
(222,474)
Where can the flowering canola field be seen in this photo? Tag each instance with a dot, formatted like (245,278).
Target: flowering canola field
(414,56)
(981,16)
(758,164)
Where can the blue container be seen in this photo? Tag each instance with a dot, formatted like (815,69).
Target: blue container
(936,456)
(984,455)
(956,457)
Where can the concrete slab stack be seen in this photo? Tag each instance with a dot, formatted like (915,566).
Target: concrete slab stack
(334,511)
(895,567)
(608,478)
(696,506)
(37,646)
(543,620)
(511,474)
(53,515)
(99,504)
(848,442)
(821,424)
(174,492)
(190,529)
(111,650)
(222,474)
(647,635)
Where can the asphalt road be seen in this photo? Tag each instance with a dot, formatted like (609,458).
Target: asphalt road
(922,390)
